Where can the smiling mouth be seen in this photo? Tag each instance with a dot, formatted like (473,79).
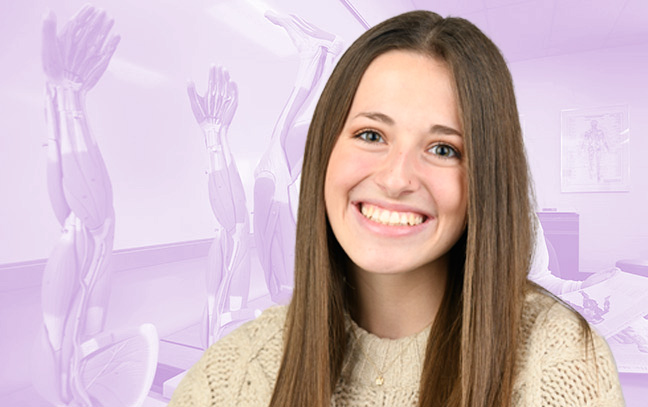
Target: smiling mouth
(390,218)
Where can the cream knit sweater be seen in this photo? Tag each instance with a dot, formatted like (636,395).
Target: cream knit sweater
(553,369)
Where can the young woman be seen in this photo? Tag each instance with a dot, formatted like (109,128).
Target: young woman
(414,237)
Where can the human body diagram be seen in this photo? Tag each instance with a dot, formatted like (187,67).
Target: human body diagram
(594,143)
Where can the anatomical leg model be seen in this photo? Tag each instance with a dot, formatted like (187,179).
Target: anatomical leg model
(75,360)
(277,176)
(228,274)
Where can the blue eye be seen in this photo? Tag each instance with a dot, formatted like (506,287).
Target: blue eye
(444,151)
(370,136)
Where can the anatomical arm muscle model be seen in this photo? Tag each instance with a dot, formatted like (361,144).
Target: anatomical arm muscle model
(75,360)
(228,274)
(278,173)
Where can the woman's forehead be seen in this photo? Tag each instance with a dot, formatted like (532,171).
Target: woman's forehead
(406,85)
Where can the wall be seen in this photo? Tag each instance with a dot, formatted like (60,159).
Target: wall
(613,225)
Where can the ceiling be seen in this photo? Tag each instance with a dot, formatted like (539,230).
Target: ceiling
(526,29)
(523,29)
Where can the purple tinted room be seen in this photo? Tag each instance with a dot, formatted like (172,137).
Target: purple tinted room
(151,158)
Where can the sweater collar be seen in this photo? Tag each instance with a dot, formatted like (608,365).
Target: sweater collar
(400,360)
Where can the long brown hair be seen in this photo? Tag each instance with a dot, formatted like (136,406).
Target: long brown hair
(474,335)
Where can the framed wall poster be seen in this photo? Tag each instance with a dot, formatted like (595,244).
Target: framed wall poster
(594,150)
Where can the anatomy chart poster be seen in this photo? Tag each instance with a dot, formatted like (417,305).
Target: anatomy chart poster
(595,145)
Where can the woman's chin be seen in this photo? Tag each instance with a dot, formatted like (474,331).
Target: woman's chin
(381,266)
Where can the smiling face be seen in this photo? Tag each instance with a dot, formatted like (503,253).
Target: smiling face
(395,188)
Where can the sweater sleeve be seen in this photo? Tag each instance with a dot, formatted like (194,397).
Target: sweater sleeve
(239,369)
(566,369)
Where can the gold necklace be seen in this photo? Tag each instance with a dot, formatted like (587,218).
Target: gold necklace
(380,379)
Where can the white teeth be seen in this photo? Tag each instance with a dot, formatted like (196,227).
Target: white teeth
(391,218)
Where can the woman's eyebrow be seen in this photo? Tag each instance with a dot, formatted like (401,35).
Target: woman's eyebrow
(445,130)
(436,129)
(380,117)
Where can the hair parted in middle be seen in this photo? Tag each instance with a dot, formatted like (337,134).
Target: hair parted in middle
(470,353)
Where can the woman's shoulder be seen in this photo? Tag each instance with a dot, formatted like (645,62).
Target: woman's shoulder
(259,336)
(269,324)
(546,319)
(553,332)
(561,358)
(542,310)
(240,368)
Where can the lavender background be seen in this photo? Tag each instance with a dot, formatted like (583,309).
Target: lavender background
(563,55)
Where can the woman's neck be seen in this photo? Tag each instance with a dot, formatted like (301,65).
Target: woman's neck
(397,305)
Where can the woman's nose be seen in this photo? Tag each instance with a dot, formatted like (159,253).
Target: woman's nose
(397,175)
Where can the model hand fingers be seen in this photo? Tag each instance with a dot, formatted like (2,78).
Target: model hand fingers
(231,103)
(89,62)
(305,26)
(196,102)
(84,13)
(272,16)
(74,39)
(93,43)
(90,46)
(102,33)
(71,41)
(229,88)
(64,42)
(211,91)
(79,20)
(221,87)
(233,94)
(98,68)
(50,52)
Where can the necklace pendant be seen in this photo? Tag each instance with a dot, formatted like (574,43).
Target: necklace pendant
(380,380)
